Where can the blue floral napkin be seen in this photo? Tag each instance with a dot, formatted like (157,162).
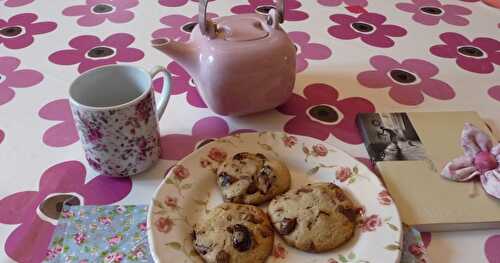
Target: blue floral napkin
(118,234)
(87,234)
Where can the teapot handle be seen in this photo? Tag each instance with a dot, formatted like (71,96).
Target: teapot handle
(207,27)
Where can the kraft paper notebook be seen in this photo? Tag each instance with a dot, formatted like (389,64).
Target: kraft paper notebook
(410,150)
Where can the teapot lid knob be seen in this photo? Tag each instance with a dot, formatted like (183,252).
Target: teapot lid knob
(280,9)
(207,27)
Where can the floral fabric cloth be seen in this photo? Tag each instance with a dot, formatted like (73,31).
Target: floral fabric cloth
(100,234)
(118,234)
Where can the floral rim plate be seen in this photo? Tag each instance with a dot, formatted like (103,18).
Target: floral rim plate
(189,191)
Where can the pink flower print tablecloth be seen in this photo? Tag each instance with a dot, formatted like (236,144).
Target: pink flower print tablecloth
(353,55)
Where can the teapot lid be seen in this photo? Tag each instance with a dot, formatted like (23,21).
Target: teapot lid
(241,28)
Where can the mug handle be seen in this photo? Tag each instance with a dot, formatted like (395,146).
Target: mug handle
(165,92)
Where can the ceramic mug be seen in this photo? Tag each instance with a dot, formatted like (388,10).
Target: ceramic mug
(117,118)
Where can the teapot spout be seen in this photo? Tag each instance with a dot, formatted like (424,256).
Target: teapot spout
(182,53)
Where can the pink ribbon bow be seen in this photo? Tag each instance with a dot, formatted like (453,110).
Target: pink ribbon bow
(480,158)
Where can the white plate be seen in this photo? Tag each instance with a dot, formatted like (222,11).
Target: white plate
(190,190)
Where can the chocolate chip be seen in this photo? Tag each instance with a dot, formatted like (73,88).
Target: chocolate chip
(226,179)
(323,213)
(222,257)
(340,195)
(280,209)
(229,229)
(201,249)
(251,218)
(193,235)
(309,225)
(264,183)
(350,213)
(303,190)
(252,188)
(265,232)
(242,238)
(241,156)
(312,247)
(229,217)
(287,225)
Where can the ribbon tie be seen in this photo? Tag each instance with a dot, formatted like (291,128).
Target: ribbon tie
(481,158)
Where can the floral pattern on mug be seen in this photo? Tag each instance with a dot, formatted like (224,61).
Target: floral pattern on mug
(408,80)
(177,146)
(63,133)
(19,31)
(16,3)
(179,27)
(289,140)
(430,12)
(2,136)
(120,142)
(181,83)
(345,2)
(175,3)
(13,77)
(307,50)
(90,52)
(384,198)
(263,6)
(479,55)
(36,212)
(164,224)
(369,27)
(95,12)
(320,114)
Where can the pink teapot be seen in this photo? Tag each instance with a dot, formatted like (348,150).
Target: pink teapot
(240,64)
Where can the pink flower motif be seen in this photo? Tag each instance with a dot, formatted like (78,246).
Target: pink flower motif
(2,136)
(369,27)
(332,260)
(345,2)
(64,133)
(54,252)
(90,52)
(179,27)
(19,30)
(263,7)
(114,240)
(95,12)
(491,250)
(164,224)
(217,155)
(494,92)
(279,251)
(319,150)
(307,50)
(371,223)
(79,238)
(181,83)
(115,257)
(384,198)
(105,220)
(176,146)
(170,201)
(181,172)
(476,56)
(174,3)
(33,211)
(430,12)
(320,114)
(289,140)
(416,250)
(16,3)
(343,173)
(143,226)
(11,78)
(407,80)
(67,214)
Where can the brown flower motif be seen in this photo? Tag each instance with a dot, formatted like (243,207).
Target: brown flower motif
(217,155)
(371,223)
(343,174)
(319,150)
(289,141)
(164,224)
(170,201)
(181,172)
(384,198)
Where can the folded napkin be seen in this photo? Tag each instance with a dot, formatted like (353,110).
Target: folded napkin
(115,234)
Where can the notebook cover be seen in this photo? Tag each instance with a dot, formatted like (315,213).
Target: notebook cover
(411,171)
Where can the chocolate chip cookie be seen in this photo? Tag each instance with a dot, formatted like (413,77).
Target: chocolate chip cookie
(234,233)
(315,218)
(249,178)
